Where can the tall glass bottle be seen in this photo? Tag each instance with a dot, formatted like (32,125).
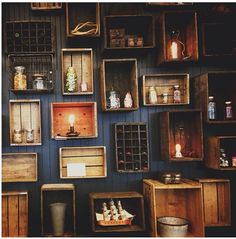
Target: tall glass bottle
(211,108)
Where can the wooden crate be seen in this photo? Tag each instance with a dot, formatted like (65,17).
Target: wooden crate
(90,160)
(119,75)
(53,193)
(164,83)
(131,202)
(80,13)
(216,202)
(182,127)
(81,59)
(85,124)
(46,5)
(132,148)
(134,25)
(221,85)
(14,214)
(178,200)
(185,22)
(19,167)
(42,64)
(25,115)
(30,36)
(215,143)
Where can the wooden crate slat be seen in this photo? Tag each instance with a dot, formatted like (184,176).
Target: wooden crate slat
(13,216)
(23,216)
(5,226)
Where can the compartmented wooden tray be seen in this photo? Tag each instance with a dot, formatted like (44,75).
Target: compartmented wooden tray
(83,162)
(46,5)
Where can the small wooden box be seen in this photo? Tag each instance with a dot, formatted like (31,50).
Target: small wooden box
(132,148)
(85,119)
(164,83)
(80,13)
(221,85)
(182,127)
(184,23)
(138,25)
(216,202)
(54,193)
(81,59)
(19,167)
(215,143)
(14,214)
(25,115)
(46,5)
(131,202)
(119,75)
(93,157)
(178,200)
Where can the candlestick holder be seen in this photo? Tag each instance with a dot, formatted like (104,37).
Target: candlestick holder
(72,132)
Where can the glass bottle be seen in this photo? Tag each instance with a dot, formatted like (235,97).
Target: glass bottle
(165,98)
(211,109)
(20,78)
(17,136)
(29,135)
(152,95)
(71,80)
(114,100)
(177,94)
(228,110)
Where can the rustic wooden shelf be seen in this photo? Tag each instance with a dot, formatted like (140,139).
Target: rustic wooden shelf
(19,167)
(131,202)
(164,83)
(80,13)
(132,148)
(54,193)
(25,115)
(42,64)
(215,143)
(184,25)
(176,200)
(81,59)
(14,214)
(85,120)
(46,6)
(131,25)
(91,159)
(216,202)
(119,75)
(30,37)
(221,85)
(182,127)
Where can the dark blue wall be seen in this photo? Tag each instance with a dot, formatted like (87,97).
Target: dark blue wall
(48,163)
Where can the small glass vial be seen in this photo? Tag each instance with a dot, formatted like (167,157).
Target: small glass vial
(165,98)
(177,94)
(228,110)
(29,135)
(211,109)
(152,95)
(17,136)
(20,82)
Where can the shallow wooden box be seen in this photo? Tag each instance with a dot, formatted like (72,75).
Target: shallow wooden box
(164,83)
(19,167)
(221,85)
(119,75)
(93,157)
(132,147)
(184,21)
(14,214)
(82,61)
(34,64)
(182,127)
(85,119)
(178,200)
(77,13)
(131,202)
(139,25)
(54,193)
(46,5)
(216,202)
(215,143)
(24,115)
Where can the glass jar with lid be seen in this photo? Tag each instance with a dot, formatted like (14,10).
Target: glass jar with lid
(20,78)
(228,110)
(39,82)
(17,136)
(177,94)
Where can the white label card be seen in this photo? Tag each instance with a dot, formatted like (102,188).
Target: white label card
(76,169)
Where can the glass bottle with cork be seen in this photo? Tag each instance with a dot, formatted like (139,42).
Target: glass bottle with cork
(211,109)
(228,110)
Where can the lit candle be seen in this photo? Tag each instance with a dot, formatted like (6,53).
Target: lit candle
(71,120)
(178,153)
(174,50)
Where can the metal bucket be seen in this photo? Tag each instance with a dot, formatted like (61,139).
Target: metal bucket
(172,226)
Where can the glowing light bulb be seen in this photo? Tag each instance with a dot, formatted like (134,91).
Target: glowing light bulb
(178,153)
(71,120)
(174,50)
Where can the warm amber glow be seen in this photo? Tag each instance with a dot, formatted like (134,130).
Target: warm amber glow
(178,153)
(174,50)
(72,120)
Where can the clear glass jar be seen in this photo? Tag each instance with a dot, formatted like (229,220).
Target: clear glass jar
(114,100)
(39,82)
(177,94)
(29,135)
(152,95)
(228,110)
(17,136)
(211,109)
(20,82)
(165,98)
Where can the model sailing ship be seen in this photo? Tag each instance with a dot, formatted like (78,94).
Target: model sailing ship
(114,216)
